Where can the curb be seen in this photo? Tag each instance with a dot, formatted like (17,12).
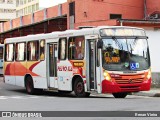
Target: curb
(149,94)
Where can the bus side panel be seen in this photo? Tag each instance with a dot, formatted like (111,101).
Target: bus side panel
(9,74)
(37,70)
(1,59)
(40,82)
(65,75)
(10,79)
(20,72)
(20,81)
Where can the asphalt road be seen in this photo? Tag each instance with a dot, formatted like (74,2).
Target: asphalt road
(14,98)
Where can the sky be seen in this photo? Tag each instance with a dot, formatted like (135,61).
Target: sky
(49,3)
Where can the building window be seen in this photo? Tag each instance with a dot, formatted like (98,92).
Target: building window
(17,3)
(33,51)
(21,2)
(7,10)
(62,48)
(72,8)
(10,1)
(115,16)
(1,52)
(9,52)
(33,8)
(2,1)
(37,6)
(29,9)
(76,47)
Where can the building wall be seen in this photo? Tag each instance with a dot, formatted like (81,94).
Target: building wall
(154,42)
(7,10)
(153,5)
(34,17)
(97,12)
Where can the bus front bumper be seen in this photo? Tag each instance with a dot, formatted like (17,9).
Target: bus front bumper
(112,87)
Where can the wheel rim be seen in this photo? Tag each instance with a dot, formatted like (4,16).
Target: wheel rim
(79,87)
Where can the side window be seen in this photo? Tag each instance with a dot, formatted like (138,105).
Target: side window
(9,52)
(1,52)
(62,48)
(42,49)
(33,50)
(20,51)
(76,47)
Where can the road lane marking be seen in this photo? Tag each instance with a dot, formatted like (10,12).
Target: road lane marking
(3,97)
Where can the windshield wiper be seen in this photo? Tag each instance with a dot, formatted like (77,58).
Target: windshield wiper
(119,45)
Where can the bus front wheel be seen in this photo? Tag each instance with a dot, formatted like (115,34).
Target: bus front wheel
(79,88)
(120,95)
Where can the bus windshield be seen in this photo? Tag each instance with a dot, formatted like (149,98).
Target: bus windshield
(125,54)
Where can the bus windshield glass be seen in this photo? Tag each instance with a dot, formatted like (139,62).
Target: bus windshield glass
(125,54)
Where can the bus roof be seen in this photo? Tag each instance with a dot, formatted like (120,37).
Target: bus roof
(67,33)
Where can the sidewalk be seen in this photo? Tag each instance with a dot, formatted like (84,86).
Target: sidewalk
(154,92)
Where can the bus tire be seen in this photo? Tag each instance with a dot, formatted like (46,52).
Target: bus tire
(79,88)
(120,95)
(29,85)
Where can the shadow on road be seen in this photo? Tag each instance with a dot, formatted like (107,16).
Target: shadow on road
(54,94)
(7,90)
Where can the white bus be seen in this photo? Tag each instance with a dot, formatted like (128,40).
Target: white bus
(106,59)
(1,59)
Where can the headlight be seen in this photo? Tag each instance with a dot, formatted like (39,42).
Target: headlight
(149,74)
(106,75)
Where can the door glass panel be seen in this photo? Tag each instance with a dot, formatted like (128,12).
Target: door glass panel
(53,60)
(92,65)
(55,55)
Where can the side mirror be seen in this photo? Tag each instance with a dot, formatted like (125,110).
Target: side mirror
(99,44)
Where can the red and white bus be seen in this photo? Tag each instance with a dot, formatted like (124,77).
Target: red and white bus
(106,59)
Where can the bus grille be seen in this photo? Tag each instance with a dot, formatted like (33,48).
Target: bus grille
(129,79)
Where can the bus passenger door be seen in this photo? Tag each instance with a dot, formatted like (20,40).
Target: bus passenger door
(52,66)
(91,64)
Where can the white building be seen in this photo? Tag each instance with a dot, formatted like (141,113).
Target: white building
(24,7)
(154,45)
(7,10)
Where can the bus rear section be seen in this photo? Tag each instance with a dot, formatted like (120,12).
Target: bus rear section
(1,59)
